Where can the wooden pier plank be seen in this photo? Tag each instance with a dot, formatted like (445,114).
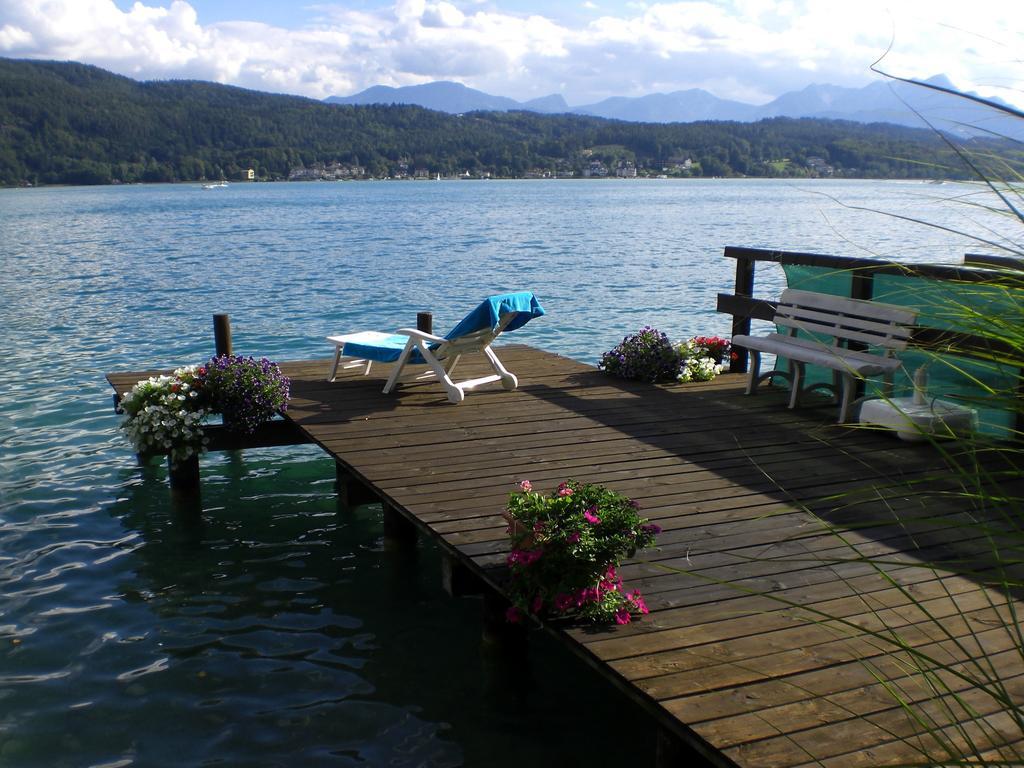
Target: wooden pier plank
(736,656)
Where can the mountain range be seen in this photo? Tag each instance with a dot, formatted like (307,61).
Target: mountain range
(882,101)
(71,123)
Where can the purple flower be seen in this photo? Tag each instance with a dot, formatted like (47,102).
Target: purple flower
(590,515)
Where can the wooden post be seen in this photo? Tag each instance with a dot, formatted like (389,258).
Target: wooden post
(741,325)
(351,490)
(222,334)
(184,481)
(425,322)
(457,580)
(397,528)
(341,486)
(500,634)
(862,286)
(671,751)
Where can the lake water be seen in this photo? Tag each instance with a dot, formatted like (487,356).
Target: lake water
(278,631)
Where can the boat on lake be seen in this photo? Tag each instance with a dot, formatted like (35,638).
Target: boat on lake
(215,185)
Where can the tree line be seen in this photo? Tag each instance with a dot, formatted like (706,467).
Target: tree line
(69,123)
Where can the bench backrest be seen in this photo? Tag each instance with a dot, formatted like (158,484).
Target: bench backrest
(869,322)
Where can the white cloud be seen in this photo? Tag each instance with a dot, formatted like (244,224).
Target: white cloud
(749,50)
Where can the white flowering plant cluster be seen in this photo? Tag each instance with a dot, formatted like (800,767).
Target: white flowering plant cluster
(702,358)
(166,414)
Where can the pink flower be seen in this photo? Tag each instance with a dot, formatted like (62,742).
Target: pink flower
(637,600)
(525,486)
(513,615)
(564,490)
(524,557)
(573,538)
(563,602)
(622,616)
(590,515)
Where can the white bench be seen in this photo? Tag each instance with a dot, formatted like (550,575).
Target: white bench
(840,321)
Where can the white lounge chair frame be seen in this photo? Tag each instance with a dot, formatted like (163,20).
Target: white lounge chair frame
(441,361)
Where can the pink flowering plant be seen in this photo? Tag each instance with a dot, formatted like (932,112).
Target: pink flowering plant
(566,550)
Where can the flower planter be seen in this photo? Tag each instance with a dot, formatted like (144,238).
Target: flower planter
(566,549)
(517,531)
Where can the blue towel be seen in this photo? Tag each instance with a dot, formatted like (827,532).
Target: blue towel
(387,349)
(489,313)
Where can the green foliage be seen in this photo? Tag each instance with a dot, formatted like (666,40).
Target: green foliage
(75,124)
(566,547)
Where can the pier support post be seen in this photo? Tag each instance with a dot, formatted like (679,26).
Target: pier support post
(397,528)
(457,580)
(222,334)
(671,752)
(498,633)
(351,491)
(184,481)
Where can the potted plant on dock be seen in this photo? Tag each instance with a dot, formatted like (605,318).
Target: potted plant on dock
(566,550)
(245,391)
(702,357)
(167,413)
(648,355)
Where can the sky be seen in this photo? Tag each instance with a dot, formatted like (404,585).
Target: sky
(584,50)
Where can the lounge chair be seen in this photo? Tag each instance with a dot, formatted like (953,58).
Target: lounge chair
(408,346)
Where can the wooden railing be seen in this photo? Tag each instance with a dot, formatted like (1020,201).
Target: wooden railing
(744,307)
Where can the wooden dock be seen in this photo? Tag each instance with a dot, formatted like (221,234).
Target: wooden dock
(771,635)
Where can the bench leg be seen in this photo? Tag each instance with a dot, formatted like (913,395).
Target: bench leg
(755,371)
(849,388)
(796,383)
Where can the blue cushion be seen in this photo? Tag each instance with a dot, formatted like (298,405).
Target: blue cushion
(381,350)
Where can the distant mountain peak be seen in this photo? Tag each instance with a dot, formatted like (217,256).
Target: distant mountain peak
(882,101)
(441,95)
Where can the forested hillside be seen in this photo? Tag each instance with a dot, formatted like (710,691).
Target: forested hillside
(75,124)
